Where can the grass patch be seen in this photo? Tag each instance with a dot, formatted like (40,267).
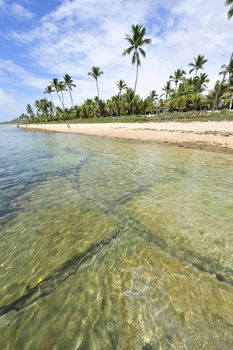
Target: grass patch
(164,117)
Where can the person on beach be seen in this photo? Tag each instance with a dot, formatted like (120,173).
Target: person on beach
(68,125)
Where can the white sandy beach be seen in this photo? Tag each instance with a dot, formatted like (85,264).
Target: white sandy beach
(201,134)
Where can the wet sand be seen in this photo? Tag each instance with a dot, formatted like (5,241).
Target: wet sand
(193,134)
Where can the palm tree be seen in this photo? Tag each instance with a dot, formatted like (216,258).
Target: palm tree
(195,101)
(128,97)
(70,85)
(153,96)
(29,110)
(198,64)
(230,12)
(55,84)
(228,96)
(49,90)
(95,73)
(61,88)
(136,41)
(178,76)
(227,69)
(121,86)
(43,106)
(168,90)
(202,80)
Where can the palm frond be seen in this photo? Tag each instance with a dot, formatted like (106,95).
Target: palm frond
(142,52)
(128,51)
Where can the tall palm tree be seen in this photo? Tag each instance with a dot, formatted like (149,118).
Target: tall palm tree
(227,69)
(177,77)
(55,84)
(61,89)
(70,85)
(136,41)
(230,12)
(95,73)
(198,64)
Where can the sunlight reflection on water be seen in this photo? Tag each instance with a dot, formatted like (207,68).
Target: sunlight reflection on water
(109,244)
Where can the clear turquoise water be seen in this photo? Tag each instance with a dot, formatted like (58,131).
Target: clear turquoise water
(110,244)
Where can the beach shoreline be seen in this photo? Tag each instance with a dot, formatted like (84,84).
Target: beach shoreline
(203,135)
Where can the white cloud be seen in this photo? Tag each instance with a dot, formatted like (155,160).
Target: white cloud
(20,11)
(5,98)
(79,34)
(83,33)
(17,10)
(10,105)
(17,76)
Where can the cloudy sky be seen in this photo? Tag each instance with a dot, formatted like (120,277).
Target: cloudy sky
(40,40)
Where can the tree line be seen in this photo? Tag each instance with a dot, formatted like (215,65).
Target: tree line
(182,92)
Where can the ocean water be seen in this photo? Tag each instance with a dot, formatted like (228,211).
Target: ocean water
(113,244)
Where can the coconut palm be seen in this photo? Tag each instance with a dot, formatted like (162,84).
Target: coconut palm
(49,90)
(121,86)
(228,96)
(70,85)
(227,69)
(55,84)
(95,73)
(201,82)
(195,101)
(136,41)
(29,110)
(61,89)
(167,90)
(177,77)
(198,64)
(230,12)
(153,96)
(180,103)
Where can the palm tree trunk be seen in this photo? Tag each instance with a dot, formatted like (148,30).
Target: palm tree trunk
(120,109)
(135,88)
(63,100)
(222,82)
(51,104)
(97,87)
(71,97)
(231,103)
(60,99)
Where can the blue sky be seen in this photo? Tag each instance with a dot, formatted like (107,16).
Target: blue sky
(44,39)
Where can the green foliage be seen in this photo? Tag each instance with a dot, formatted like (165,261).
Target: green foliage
(230,12)
(181,94)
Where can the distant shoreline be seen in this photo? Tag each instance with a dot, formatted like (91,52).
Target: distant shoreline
(203,135)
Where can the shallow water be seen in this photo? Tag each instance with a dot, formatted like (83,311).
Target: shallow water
(110,244)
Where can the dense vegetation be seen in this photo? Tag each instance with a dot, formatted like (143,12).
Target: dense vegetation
(184,91)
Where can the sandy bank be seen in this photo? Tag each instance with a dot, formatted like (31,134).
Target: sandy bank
(199,134)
